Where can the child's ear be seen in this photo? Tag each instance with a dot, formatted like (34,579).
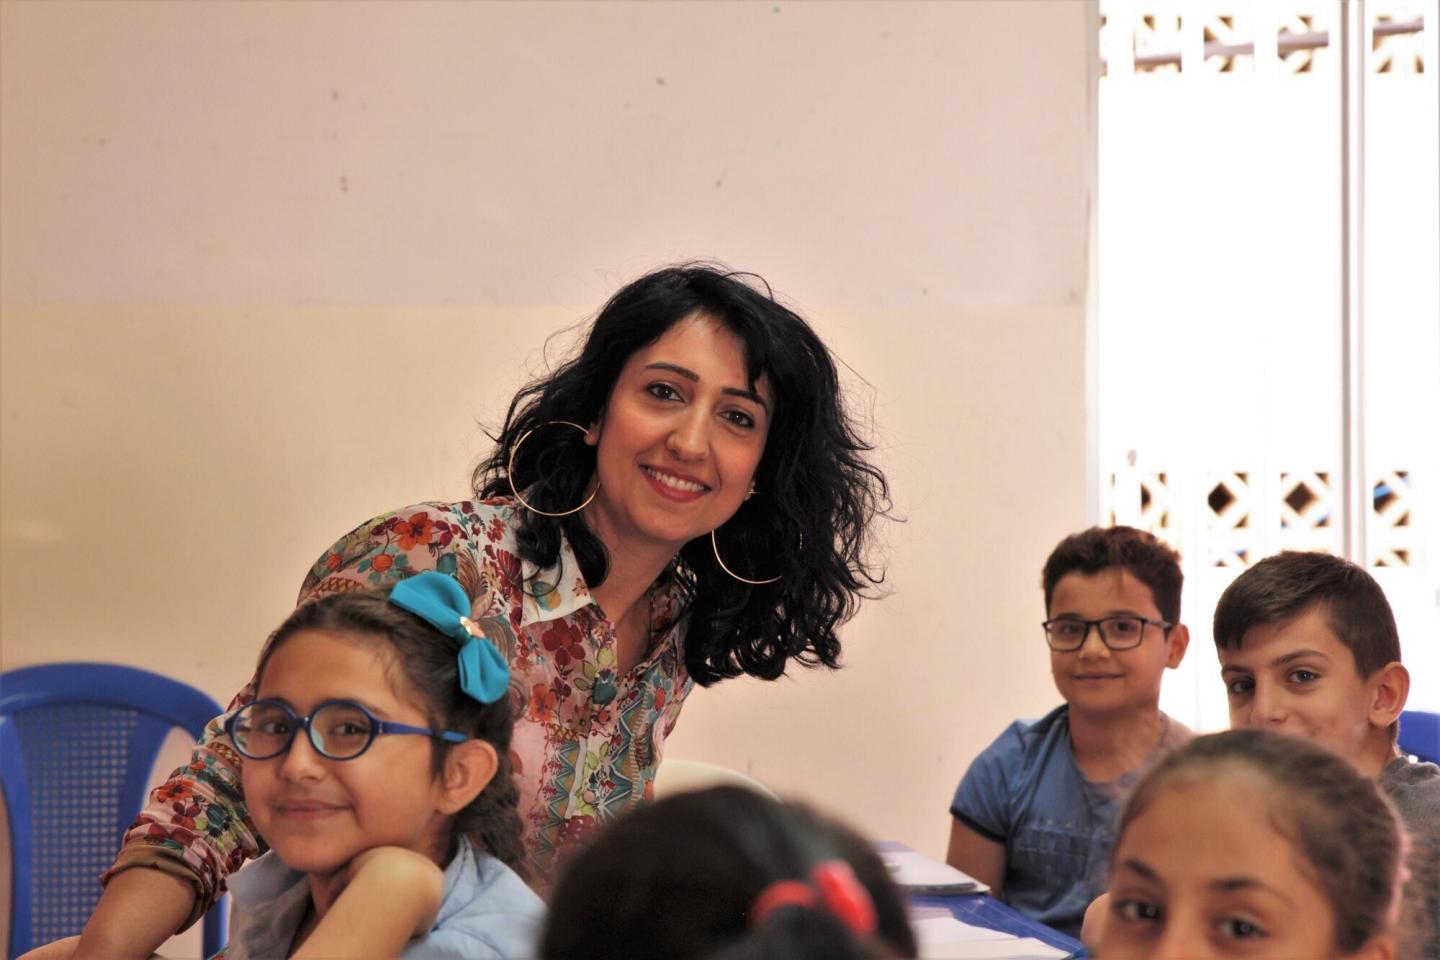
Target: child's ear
(1179,642)
(469,768)
(1389,689)
(1381,947)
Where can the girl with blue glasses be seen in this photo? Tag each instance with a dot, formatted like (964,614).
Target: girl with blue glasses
(377,771)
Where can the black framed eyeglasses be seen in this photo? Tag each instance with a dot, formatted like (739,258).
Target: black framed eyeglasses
(338,729)
(1066,634)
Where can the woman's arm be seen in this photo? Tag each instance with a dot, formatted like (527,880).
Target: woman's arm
(139,910)
(392,897)
(194,832)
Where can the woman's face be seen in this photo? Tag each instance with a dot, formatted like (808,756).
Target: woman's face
(679,440)
(1203,873)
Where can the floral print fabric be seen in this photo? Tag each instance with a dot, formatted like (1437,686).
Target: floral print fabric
(587,740)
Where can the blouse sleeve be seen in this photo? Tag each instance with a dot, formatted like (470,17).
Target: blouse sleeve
(196,825)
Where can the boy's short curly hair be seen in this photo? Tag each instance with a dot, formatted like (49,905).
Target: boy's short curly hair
(1145,556)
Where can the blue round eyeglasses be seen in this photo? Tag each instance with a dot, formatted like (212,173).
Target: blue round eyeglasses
(338,729)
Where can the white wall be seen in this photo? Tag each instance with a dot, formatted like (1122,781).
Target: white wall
(267,270)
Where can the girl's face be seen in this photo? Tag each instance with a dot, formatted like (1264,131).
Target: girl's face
(1203,873)
(679,440)
(319,813)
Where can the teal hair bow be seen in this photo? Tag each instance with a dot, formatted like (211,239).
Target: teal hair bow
(441,602)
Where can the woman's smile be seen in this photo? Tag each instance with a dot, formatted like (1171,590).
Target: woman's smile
(675,486)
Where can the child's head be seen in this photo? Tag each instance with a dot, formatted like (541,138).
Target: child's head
(402,667)
(1253,844)
(726,873)
(1112,603)
(1308,645)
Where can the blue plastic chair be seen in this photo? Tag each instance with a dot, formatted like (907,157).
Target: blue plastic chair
(1420,734)
(77,744)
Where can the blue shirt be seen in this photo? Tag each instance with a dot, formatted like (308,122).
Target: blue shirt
(487,912)
(1025,791)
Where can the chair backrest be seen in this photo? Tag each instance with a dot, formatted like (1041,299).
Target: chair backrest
(1420,734)
(678,776)
(77,744)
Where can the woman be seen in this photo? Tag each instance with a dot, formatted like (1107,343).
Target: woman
(685,501)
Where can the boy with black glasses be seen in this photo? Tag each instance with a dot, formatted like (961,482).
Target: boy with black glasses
(1034,815)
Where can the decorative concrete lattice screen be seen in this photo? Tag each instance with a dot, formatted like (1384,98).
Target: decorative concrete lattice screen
(1153,36)
(1233,518)
(1234,375)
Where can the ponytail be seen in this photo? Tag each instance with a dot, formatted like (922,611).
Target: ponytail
(728,874)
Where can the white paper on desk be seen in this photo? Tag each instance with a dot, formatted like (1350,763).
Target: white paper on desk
(945,938)
(918,874)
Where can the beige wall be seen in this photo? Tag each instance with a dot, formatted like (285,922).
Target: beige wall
(267,270)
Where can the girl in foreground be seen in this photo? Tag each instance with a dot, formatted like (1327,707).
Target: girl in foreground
(726,874)
(376,771)
(684,501)
(1253,844)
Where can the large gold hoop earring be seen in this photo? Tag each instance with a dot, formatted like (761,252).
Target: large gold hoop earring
(754,583)
(510,472)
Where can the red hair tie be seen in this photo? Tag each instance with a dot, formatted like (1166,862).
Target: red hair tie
(833,887)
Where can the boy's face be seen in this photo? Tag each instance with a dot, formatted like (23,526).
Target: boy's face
(1297,677)
(1094,678)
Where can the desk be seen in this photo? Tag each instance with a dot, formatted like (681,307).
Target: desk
(983,910)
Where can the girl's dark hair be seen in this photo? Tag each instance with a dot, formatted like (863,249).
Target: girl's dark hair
(425,658)
(677,879)
(817,492)
(1346,832)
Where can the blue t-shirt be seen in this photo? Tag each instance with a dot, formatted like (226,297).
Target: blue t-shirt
(1025,791)
(487,912)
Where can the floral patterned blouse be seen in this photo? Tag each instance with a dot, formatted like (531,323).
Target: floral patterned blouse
(587,740)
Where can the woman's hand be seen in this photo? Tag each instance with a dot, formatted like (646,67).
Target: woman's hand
(387,897)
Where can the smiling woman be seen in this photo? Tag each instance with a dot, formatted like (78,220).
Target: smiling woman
(723,455)
(684,501)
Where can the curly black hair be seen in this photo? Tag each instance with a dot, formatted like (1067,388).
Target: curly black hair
(1146,556)
(818,492)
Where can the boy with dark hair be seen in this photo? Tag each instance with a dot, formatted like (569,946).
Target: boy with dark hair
(1308,646)
(1034,815)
